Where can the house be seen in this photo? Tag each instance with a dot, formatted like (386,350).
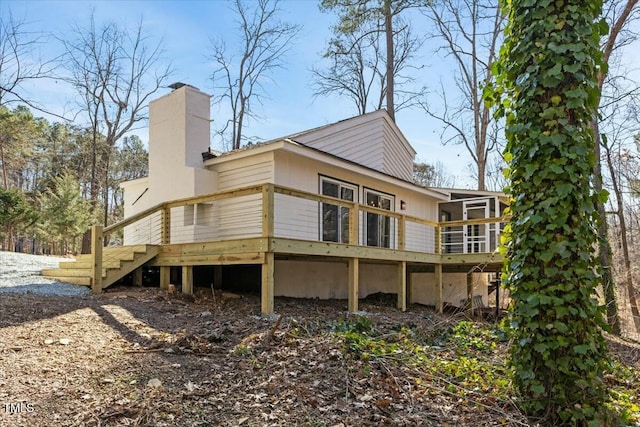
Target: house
(329,212)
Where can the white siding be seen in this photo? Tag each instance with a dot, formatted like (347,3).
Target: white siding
(398,161)
(239,217)
(299,219)
(296,218)
(371,140)
(362,144)
(245,172)
(420,237)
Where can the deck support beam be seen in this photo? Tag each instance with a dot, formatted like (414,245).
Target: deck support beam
(165,277)
(438,279)
(217,277)
(353,267)
(402,286)
(267,284)
(187,279)
(137,277)
(96,258)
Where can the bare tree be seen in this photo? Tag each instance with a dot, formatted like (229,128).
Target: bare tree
(470,33)
(265,40)
(365,17)
(358,69)
(618,14)
(618,123)
(115,72)
(19,65)
(427,175)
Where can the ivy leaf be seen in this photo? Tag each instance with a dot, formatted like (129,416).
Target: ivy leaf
(538,389)
(602,196)
(581,349)
(563,190)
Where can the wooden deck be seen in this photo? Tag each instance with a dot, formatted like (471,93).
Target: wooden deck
(178,245)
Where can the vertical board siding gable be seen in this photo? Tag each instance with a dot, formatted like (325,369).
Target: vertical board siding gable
(397,160)
(369,140)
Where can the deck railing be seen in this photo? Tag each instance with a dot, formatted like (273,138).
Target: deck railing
(270,210)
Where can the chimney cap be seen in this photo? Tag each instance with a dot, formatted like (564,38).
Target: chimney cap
(178,85)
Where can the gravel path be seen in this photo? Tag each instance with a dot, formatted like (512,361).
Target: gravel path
(20,274)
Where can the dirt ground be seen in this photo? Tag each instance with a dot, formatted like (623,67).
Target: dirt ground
(141,357)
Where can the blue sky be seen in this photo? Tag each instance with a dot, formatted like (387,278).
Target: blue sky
(186,27)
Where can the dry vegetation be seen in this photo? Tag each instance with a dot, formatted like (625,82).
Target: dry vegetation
(144,358)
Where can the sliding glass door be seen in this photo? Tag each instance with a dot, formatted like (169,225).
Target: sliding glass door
(378,227)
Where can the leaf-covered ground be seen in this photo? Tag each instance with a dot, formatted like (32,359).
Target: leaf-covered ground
(140,357)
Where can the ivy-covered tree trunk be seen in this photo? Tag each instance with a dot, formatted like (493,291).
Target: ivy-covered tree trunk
(548,68)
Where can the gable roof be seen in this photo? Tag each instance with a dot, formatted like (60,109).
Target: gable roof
(370,140)
(294,147)
(322,131)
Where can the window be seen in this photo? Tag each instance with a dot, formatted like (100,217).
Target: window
(334,226)
(378,227)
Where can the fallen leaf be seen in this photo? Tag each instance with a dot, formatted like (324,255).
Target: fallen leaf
(154,383)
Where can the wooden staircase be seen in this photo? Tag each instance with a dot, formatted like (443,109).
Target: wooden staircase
(117,262)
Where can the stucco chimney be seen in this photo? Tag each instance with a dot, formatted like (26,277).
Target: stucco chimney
(179,132)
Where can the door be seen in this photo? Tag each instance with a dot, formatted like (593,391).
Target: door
(378,228)
(476,236)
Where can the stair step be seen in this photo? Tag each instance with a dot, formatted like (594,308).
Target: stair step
(87,264)
(117,262)
(84,281)
(115,251)
(68,272)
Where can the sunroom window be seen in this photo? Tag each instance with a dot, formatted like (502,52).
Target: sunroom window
(334,225)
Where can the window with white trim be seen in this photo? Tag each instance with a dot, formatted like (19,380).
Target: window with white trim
(334,224)
(378,228)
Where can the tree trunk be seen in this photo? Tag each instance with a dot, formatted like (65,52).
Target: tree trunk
(4,167)
(604,245)
(482,171)
(633,294)
(10,247)
(388,29)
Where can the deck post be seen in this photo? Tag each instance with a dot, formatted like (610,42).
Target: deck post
(438,278)
(96,258)
(187,279)
(137,277)
(470,292)
(165,226)
(353,267)
(402,229)
(438,240)
(402,286)
(267,284)
(268,204)
(165,277)
(354,213)
(438,271)
(268,266)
